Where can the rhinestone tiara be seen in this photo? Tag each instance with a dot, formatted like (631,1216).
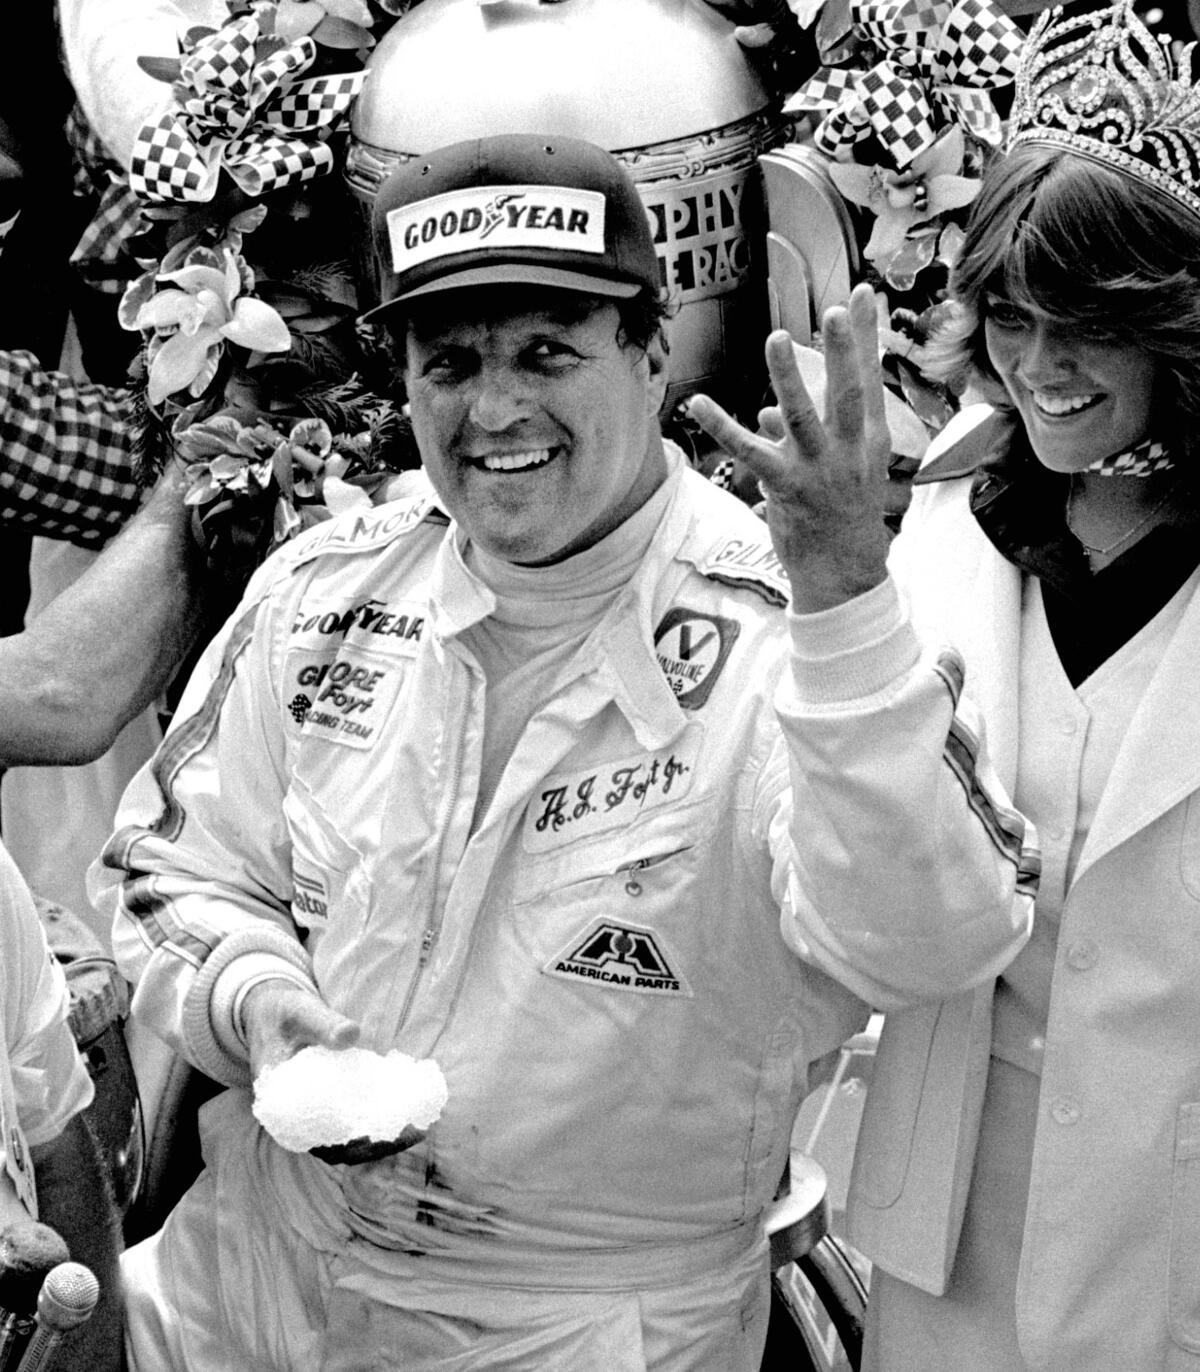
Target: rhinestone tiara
(1100,84)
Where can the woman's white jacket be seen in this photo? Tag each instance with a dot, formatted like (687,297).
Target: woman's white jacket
(1111,1258)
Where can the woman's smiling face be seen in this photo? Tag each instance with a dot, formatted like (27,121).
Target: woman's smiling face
(1082,394)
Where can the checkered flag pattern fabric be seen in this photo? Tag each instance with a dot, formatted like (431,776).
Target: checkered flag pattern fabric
(888,24)
(826,89)
(923,16)
(222,59)
(1148,457)
(842,129)
(721,475)
(168,165)
(278,71)
(255,120)
(263,164)
(873,20)
(899,112)
(315,104)
(973,109)
(939,60)
(978,46)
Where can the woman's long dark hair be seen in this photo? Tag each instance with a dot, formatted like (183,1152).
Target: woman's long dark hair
(1090,246)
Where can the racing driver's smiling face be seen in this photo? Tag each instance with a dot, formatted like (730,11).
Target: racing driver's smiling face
(536,423)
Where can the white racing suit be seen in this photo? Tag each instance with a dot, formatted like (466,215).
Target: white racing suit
(600,967)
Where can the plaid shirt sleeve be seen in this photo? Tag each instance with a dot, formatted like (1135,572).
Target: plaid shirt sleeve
(66,465)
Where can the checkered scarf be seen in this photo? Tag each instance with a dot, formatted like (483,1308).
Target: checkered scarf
(939,61)
(248,115)
(1145,459)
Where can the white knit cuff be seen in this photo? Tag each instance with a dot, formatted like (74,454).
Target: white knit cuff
(229,991)
(213,1044)
(852,651)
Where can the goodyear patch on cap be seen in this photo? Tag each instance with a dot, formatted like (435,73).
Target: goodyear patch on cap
(556,218)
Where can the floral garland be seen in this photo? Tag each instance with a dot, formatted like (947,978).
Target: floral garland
(253,372)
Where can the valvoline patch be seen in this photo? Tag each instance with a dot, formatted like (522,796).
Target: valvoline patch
(692,647)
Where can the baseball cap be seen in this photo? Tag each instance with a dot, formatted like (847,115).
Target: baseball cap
(514,208)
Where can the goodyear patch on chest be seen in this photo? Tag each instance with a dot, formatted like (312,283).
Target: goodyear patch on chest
(620,957)
(342,699)
(750,563)
(576,805)
(386,626)
(692,648)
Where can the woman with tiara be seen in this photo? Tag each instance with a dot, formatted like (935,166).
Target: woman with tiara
(1027,1178)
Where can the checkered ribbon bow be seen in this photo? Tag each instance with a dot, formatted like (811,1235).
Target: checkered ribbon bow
(939,61)
(249,115)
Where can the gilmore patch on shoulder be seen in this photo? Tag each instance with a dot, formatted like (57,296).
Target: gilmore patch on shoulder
(620,957)
(747,562)
(692,647)
(362,530)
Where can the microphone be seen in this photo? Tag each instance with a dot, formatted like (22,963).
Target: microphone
(66,1300)
(28,1252)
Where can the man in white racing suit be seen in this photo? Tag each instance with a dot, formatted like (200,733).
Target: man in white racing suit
(496,776)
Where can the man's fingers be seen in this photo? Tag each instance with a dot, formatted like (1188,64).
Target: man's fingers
(720,426)
(341,1033)
(761,456)
(843,387)
(864,327)
(794,403)
(280,1018)
(312,1022)
(770,423)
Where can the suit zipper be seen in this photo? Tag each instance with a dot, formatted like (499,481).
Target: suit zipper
(430,933)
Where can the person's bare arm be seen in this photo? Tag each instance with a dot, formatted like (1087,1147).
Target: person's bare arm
(106,646)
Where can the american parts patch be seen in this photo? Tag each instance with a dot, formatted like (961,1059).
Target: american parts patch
(692,647)
(622,957)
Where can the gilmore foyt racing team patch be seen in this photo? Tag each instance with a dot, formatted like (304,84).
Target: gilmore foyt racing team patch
(346,700)
(692,647)
(562,218)
(346,666)
(625,957)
